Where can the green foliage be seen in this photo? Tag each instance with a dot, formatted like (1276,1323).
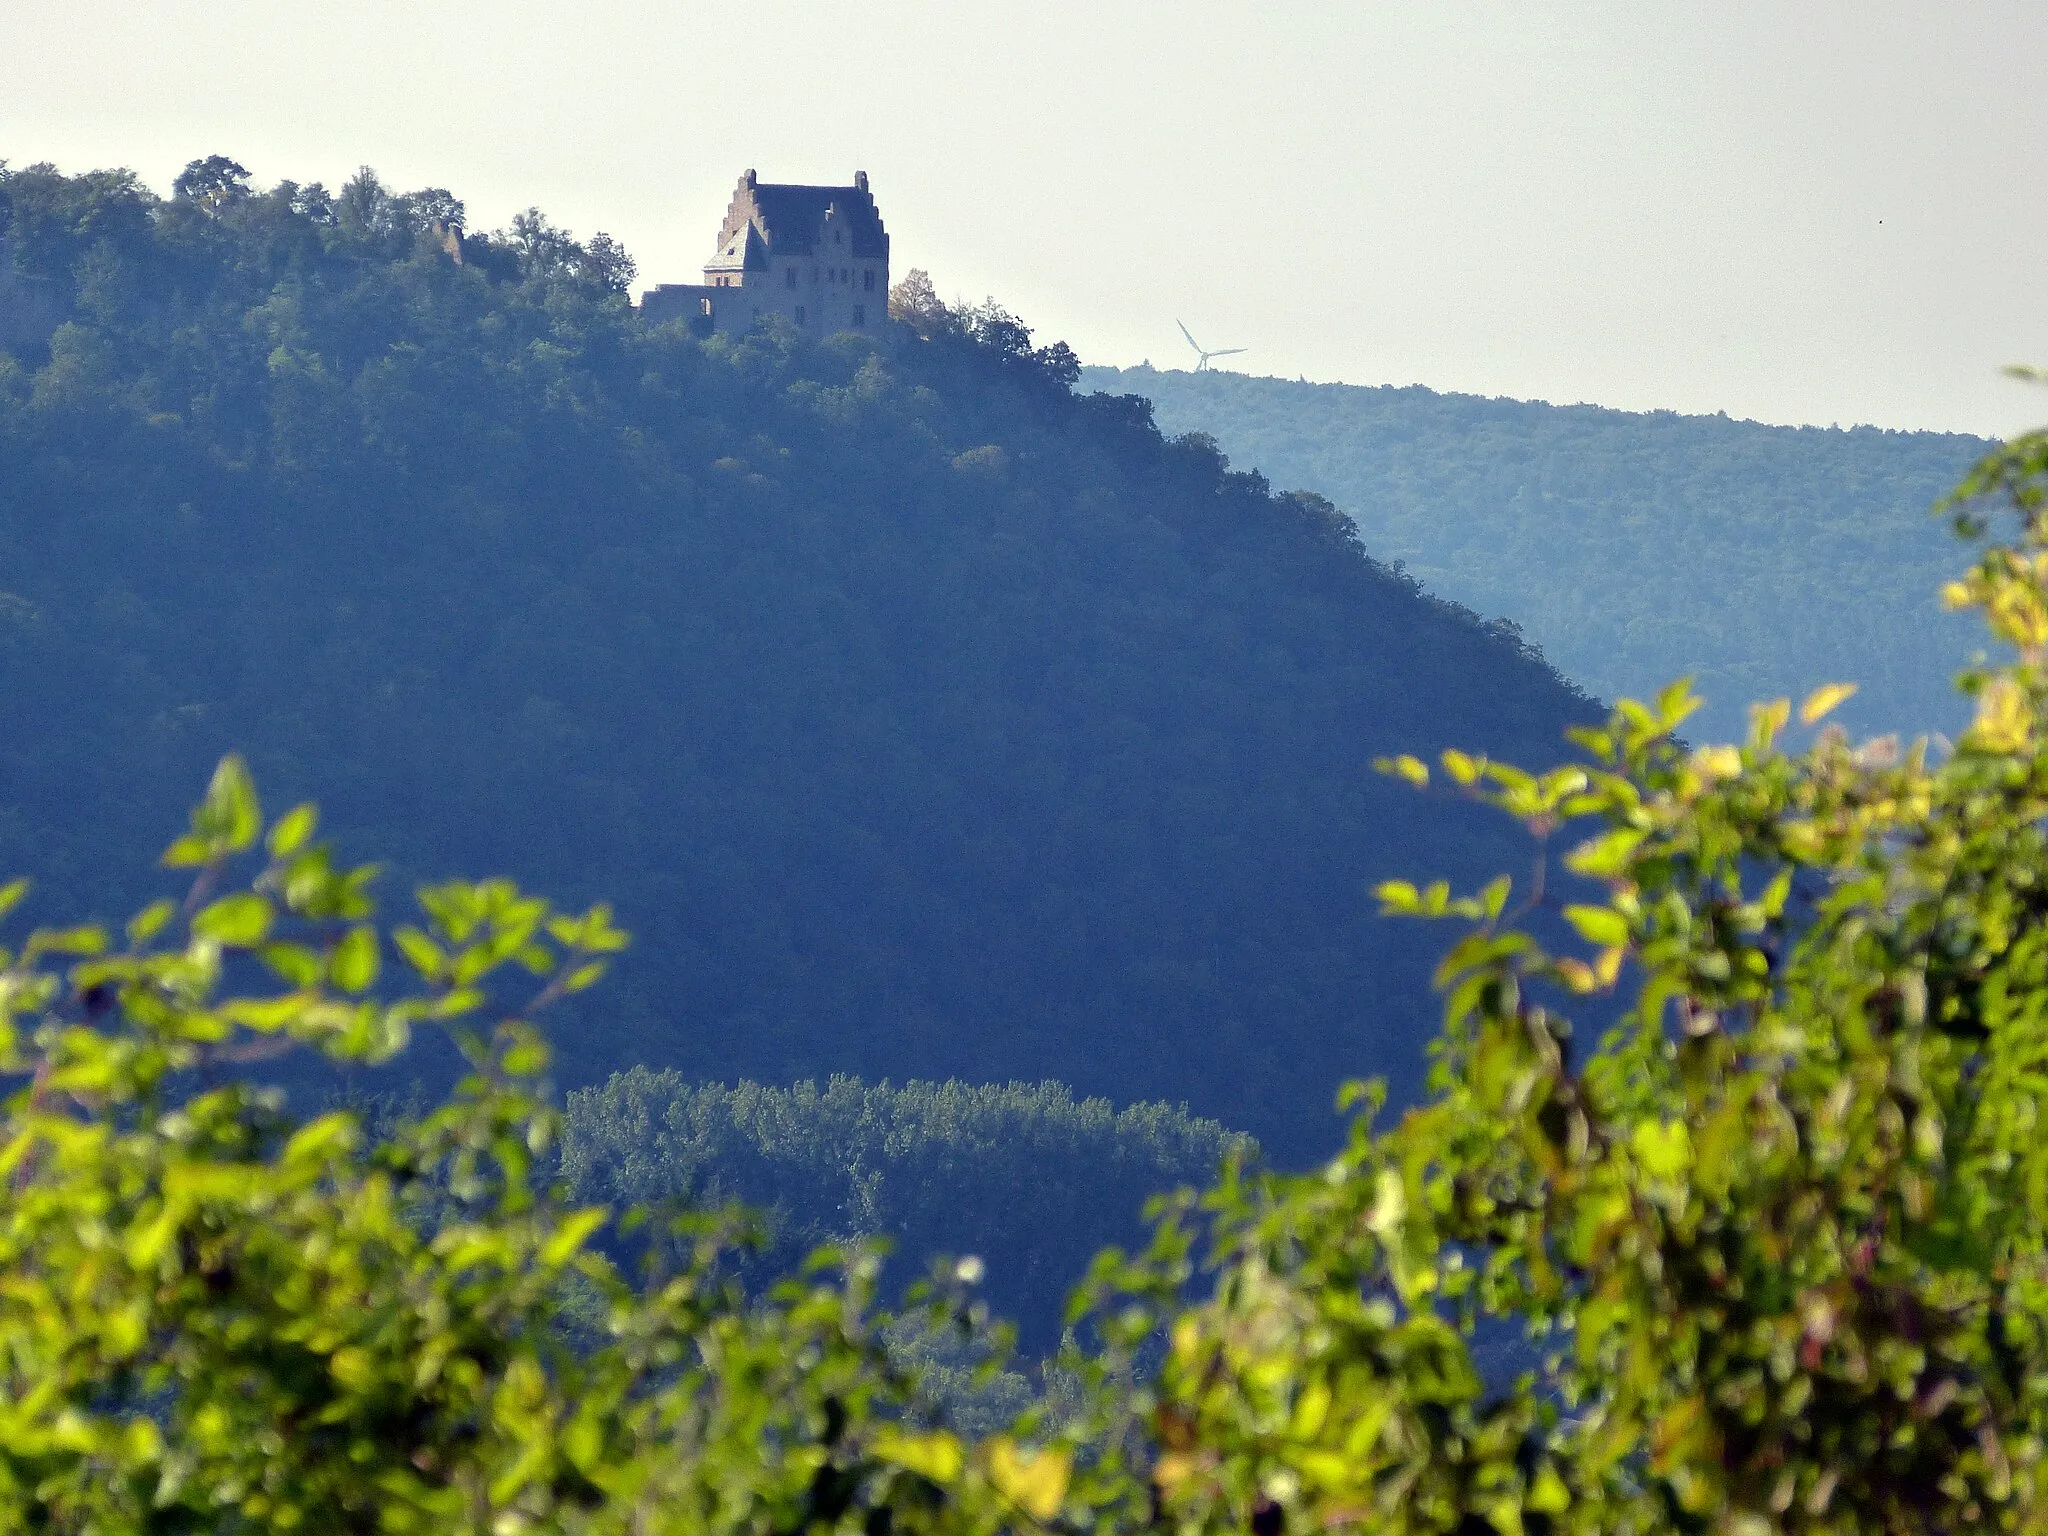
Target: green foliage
(1023,1176)
(1632,547)
(1737,1137)
(924,718)
(214,1318)
(1779,1236)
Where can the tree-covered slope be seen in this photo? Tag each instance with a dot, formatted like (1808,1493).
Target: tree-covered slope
(922,717)
(1023,1176)
(1632,548)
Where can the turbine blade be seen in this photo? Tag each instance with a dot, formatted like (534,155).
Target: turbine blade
(1230,351)
(1191,340)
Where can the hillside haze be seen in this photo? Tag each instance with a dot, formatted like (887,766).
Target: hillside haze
(922,717)
(1633,547)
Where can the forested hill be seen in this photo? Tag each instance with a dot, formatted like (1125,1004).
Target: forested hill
(920,716)
(1633,547)
(1022,1175)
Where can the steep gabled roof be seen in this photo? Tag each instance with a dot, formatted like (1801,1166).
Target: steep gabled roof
(744,251)
(791,219)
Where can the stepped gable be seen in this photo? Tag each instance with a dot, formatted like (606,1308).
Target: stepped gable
(817,258)
(792,217)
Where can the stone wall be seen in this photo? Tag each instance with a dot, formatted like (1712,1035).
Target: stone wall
(30,307)
(815,306)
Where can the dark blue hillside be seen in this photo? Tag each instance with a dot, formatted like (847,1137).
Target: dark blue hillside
(921,718)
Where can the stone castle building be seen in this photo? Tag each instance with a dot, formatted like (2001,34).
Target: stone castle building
(817,256)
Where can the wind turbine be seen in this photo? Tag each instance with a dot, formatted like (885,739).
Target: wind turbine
(1203,365)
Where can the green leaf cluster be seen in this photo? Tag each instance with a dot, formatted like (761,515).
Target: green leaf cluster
(1737,1143)
(215,1318)
(1777,1239)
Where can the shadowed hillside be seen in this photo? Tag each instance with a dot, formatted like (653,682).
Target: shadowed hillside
(922,717)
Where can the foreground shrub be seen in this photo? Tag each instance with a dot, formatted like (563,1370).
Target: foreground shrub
(1777,1235)
(214,1319)
(1772,1246)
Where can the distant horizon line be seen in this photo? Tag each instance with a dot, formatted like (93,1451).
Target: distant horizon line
(1147,366)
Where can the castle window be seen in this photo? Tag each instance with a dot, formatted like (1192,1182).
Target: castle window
(801,317)
(867,280)
(707,306)
(789,278)
(860,314)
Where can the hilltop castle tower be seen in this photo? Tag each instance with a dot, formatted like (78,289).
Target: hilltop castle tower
(818,256)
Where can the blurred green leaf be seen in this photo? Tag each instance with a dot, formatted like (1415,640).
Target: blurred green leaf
(292,831)
(242,920)
(355,964)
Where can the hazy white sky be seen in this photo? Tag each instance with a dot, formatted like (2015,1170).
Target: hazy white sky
(1799,212)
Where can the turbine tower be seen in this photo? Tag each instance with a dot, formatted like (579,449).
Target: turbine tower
(1202,358)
